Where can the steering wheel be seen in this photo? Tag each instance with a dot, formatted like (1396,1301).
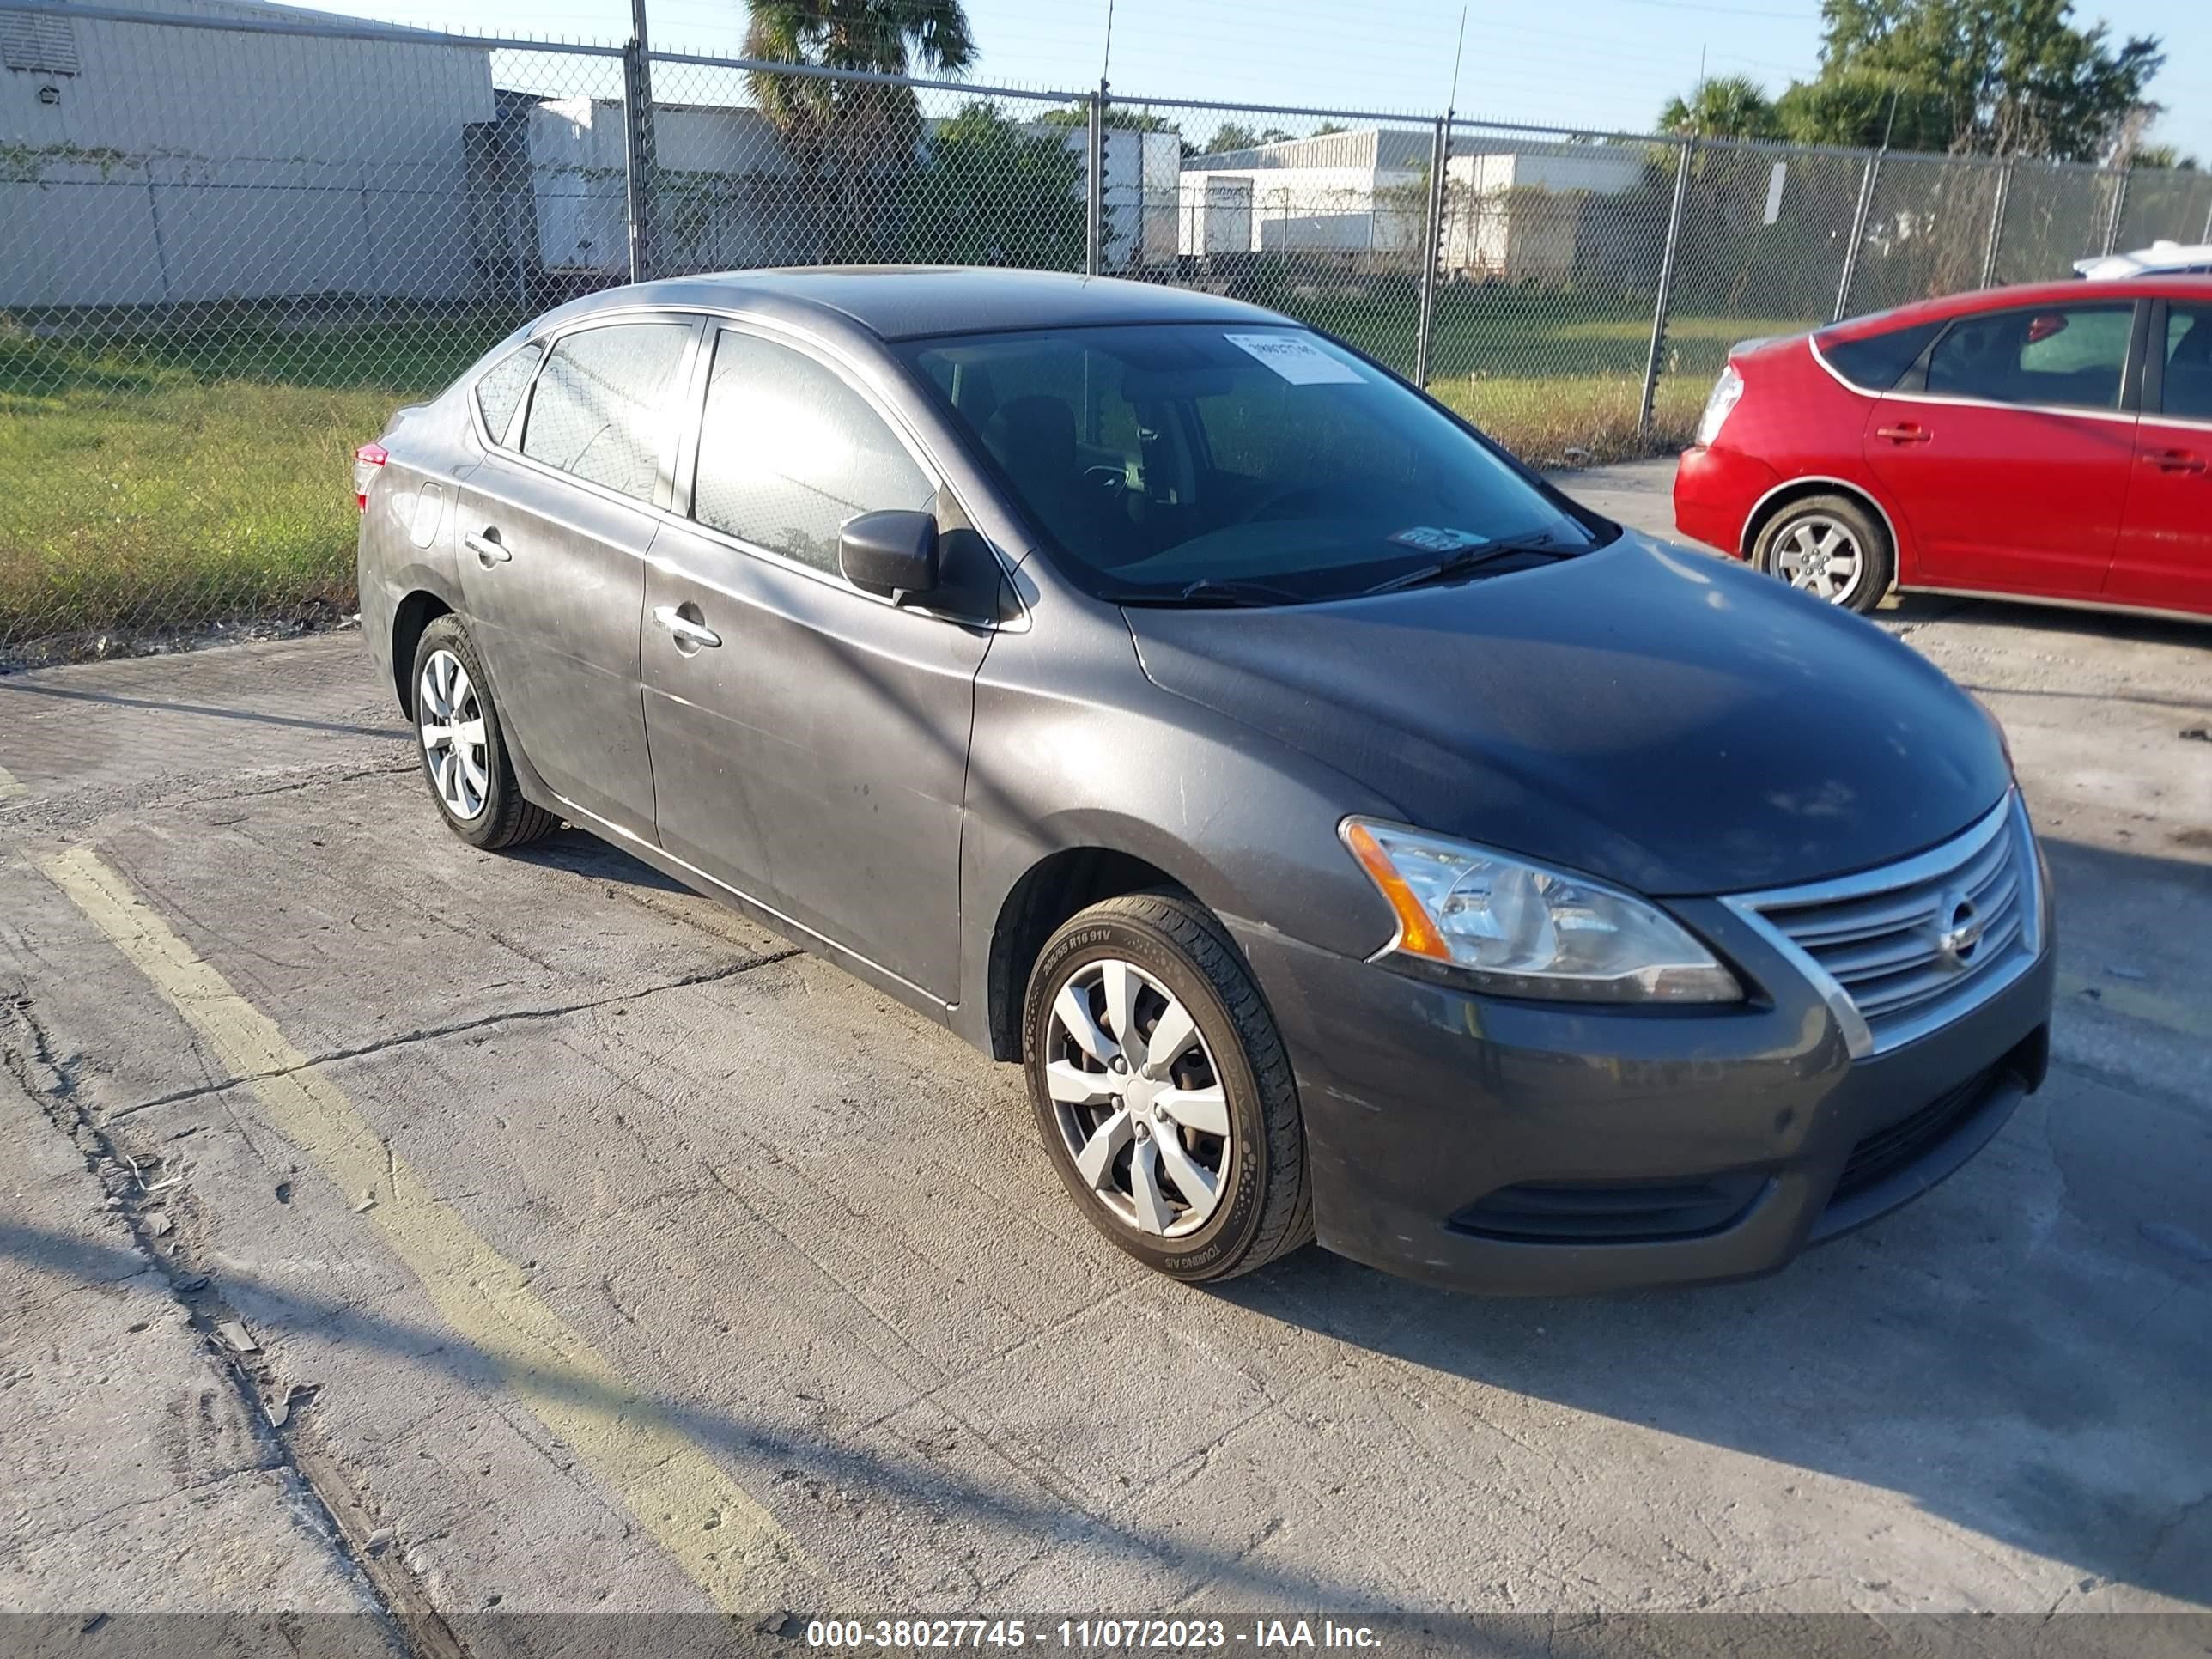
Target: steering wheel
(1271,506)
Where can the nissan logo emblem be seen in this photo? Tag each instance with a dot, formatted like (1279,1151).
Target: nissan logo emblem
(1957,930)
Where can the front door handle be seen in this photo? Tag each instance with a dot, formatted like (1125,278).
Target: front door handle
(1903,433)
(486,546)
(2175,460)
(686,630)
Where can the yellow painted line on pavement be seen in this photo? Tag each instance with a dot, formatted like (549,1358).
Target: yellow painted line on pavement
(730,1545)
(10,786)
(2121,998)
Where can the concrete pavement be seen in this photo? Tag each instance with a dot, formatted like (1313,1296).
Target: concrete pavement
(609,1254)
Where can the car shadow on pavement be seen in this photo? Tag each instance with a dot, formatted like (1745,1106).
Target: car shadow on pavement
(762,1455)
(580,853)
(167,706)
(2012,1352)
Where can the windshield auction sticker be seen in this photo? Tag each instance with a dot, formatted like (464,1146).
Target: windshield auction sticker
(1434,538)
(1298,361)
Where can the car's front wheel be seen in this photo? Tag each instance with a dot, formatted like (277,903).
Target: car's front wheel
(1162,1091)
(1831,547)
(463,752)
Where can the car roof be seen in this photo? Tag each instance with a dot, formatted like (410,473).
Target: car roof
(906,302)
(2166,256)
(2074,291)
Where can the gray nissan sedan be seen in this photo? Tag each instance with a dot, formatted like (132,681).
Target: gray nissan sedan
(1352,835)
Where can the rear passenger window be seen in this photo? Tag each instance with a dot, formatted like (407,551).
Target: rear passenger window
(605,407)
(2188,391)
(499,393)
(788,452)
(2067,356)
(1876,362)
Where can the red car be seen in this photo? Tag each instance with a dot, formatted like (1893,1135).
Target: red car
(2047,443)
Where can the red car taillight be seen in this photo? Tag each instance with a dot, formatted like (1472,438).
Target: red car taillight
(366,460)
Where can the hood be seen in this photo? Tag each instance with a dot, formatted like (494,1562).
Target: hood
(1663,719)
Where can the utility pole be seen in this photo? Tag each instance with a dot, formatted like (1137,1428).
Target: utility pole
(2119,207)
(1654,357)
(1094,194)
(638,146)
(1869,177)
(1996,225)
(1433,227)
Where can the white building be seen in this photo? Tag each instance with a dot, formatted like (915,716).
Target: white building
(1345,192)
(725,194)
(1143,175)
(727,191)
(1508,211)
(1517,214)
(146,164)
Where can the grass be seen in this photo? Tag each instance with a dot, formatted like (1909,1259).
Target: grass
(1555,376)
(166,482)
(161,481)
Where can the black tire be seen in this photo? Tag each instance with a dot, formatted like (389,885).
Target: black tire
(506,819)
(1878,562)
(1266,1206)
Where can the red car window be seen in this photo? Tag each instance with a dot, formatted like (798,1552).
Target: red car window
(2070,358)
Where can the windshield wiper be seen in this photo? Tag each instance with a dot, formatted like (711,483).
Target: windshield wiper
(1467,559)
(1238,593)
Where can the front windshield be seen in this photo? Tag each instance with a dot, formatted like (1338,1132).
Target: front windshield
(1194,461)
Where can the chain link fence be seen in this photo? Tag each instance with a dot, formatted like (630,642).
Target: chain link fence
(237,243)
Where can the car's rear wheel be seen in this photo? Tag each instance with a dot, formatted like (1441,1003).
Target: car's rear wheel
(463,752)
(1162,1091)
(1831,547)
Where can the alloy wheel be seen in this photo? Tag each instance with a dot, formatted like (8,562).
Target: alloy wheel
(450,719)
(1820,556)
(1140,1101)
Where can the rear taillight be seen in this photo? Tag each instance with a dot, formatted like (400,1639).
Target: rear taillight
(1725,393)
(366,460)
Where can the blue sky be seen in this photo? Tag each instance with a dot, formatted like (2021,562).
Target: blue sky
(1601,64)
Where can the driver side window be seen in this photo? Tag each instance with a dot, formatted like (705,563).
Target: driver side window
(788,452)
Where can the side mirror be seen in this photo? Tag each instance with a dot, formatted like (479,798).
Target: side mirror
(893,553)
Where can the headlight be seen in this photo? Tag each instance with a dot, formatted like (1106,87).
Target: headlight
(1517,928)
(1718,402)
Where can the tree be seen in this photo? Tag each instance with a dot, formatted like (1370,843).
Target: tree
(987,193)
(851,138)
(1985,77)
(1234,134)
(2165,158)
(1734,106)
(1865,109)
(2017,77)
(1119,118)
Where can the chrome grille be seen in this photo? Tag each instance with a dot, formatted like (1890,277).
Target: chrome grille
(1900,951)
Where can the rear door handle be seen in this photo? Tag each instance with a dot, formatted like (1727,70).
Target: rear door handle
(486,546)
(687,632)
(1903,433)
(2175,460)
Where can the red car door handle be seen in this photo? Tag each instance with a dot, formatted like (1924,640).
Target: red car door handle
(2174,460)
(1905,433)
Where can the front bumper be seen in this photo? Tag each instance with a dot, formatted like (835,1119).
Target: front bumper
(1500,1146)
(1715,491)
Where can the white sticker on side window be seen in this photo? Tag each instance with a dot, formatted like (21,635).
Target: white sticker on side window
(1296,359)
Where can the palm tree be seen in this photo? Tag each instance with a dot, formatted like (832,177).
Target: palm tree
(1730,106)
(852,139)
